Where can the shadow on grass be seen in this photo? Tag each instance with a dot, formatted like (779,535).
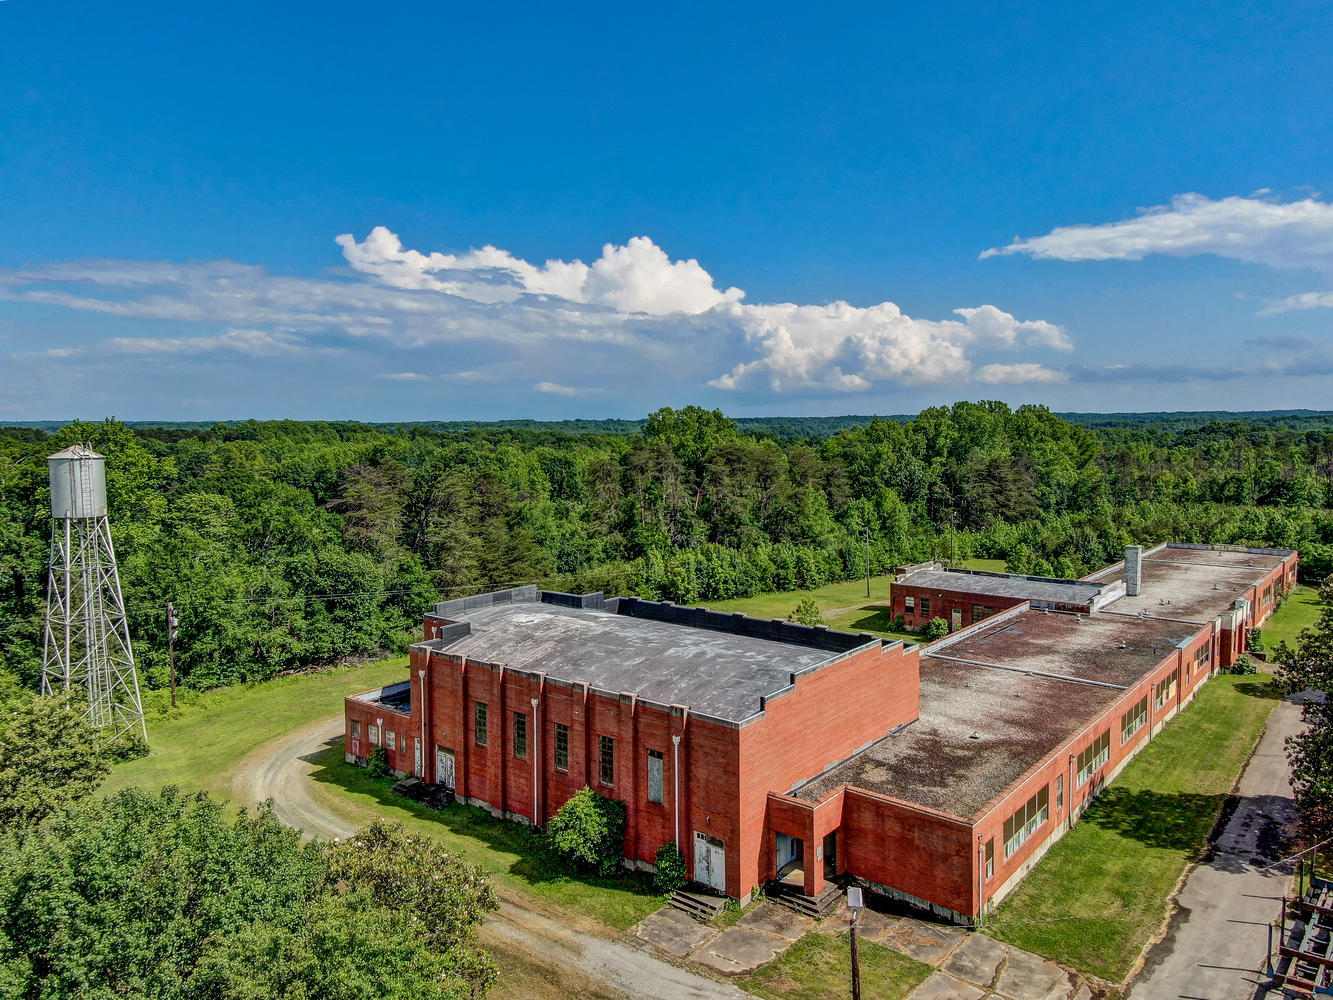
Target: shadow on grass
(533,862)
(1177,821)
(1266,688)
(873,618)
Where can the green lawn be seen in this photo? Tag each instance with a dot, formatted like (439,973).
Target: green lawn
(1300,610)
(508,851)
(856,612)
(1101,893)
(200,745)
(818,967)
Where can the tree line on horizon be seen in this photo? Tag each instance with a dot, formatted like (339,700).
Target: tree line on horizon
(287,544)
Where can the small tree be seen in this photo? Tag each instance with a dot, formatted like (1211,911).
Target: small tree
(378,765)
(1309,666)
(49,758)
(936,628)
(1242,665)
(588,833)
(671,874)
(806,612)
(1255,642)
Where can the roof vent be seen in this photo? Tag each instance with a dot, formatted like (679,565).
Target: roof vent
(975,736)
(1123,644)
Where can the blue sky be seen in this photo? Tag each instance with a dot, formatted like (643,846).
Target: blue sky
(284,210)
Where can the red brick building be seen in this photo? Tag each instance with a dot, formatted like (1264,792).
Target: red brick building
(936,776)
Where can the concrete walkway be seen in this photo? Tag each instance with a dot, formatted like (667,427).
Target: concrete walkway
(1218,939)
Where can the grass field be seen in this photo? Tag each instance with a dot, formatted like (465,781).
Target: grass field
(509,852)
(1101,893)
(845,605)
(209,735)
(1300,610)
(819,966)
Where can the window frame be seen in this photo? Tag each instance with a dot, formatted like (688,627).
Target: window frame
(480,724)
(606,759)
(1093,757)
(925,605)
(1133,720)
(560,746)
(1033,815)
(521,735)
(390,740)
(909,604)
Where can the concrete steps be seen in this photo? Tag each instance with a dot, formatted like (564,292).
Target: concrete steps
(811,906)
(701,906)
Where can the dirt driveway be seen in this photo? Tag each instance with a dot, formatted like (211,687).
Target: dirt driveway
(538,956)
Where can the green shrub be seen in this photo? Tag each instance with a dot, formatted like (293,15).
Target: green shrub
(588,833)
(936,628)
(806,612)
(671,873)
(1255,642)
(1241,665)
(378,764)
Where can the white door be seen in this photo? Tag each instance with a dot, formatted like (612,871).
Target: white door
(710,861)
(444,768)
(416,767)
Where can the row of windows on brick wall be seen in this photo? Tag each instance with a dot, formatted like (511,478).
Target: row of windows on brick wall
(606,749)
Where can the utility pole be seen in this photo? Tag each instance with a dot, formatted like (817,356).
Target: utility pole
(854,903)
(171,649)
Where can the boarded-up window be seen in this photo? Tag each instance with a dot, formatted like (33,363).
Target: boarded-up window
(391,740)
(909,604)
(655,775)
(925,605)
(561,747)
(374,733)
(1164,692)
(356,729)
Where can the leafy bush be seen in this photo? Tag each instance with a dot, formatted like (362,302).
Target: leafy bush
(936,628)
(900,624)
(377,766)
(1255,642)
(671,873)
(1242,665)
(588,833)
(806,613)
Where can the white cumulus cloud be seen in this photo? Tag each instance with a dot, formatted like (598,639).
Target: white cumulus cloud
(1019,373)
(1258,229)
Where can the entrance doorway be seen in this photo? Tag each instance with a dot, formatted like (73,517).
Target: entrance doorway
(831,856)
(710,862)
(416,759)
(957,620)
(789,851)
(444,767)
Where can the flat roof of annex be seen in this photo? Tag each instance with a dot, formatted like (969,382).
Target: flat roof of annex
(721,666)
(1011,585)
(1195,583)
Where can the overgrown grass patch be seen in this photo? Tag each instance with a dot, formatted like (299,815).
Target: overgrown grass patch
(819,966)
(198,745)
(1102,892)
(1300,610)
(511,853)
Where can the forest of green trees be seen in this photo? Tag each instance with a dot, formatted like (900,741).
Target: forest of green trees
(286,544)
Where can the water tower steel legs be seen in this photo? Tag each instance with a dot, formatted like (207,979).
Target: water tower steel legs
(86,643)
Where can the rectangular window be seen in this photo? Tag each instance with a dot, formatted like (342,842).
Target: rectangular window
(1059,792)
(1133,720)
(1203,658)
(479,731)
(925,605)
(391,740)
(909,604)
(654,775)
(990,857)
(1164,692)
(606,760)
(1026,821)
(981,612)
(374,735)
(356,729)
(561,747)
(520,736)
(1094,757)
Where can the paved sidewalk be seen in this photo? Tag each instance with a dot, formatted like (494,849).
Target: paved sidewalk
(1218,939)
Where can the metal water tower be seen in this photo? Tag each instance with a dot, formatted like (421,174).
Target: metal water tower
(86,643)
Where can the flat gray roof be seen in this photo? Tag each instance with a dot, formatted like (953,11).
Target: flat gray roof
(1063,671)
(1024,588)
(719,674)
(1193,584)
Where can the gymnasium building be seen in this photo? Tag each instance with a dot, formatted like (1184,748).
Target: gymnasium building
(800,757)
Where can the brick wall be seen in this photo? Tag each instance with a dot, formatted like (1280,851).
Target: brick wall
(376,717)
(943,603)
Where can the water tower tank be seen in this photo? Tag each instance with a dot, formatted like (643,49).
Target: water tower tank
(78,483)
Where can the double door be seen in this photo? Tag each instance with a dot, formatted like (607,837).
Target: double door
(710,862)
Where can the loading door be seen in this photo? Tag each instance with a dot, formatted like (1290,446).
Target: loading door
(710,861)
